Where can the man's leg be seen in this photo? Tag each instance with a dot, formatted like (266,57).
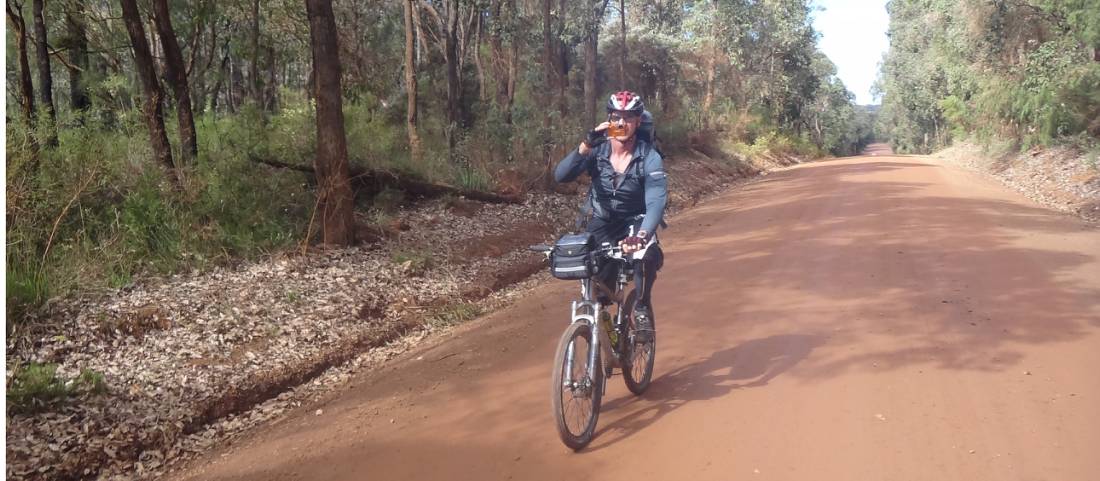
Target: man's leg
(645,275)
(607,231)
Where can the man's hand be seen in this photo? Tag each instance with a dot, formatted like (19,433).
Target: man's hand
(632,244)
(594,138)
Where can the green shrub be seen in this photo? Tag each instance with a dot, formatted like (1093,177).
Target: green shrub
(108,213)
(414,262)
(36,387)
(27,286)
(472,178)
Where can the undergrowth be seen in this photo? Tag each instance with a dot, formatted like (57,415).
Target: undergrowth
(96,212)
(37,387)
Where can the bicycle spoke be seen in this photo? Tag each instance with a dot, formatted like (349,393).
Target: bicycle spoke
(576,399)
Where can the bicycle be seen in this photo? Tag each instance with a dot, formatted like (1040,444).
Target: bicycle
(581,385)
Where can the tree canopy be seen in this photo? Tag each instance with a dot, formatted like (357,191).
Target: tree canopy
(1028,71)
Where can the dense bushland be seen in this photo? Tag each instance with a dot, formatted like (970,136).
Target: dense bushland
(478,94)
(1025,72)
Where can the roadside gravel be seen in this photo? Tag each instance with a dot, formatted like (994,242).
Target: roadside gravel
(1060,178)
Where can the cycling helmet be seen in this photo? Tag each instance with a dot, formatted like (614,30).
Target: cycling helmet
(625,101)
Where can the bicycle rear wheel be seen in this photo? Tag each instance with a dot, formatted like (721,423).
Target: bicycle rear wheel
(638,357)
(575,391)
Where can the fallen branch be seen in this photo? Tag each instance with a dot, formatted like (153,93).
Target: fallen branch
(374,181)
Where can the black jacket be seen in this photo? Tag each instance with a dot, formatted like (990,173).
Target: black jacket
(642,189)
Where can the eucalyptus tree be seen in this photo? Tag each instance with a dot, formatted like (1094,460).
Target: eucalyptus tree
(154,112)
(176,73)
(45,75)
(335,200)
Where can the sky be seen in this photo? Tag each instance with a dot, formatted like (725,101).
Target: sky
(853,36)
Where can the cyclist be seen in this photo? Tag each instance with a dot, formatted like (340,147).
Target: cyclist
(628,195)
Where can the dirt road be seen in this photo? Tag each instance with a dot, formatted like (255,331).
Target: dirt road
(870,318)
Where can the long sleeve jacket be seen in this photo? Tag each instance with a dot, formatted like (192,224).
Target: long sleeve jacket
(641,189)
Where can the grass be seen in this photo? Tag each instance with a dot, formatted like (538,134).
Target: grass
(293,296)
(98,213)
(454,314)
(27,285)
(36,387)
(414,262)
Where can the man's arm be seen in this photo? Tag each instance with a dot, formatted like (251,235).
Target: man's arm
(573,164)
(656,192)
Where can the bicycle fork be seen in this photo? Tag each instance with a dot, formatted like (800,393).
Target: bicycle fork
(584,311)
(587,311)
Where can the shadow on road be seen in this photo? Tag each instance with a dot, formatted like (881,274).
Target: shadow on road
(928,273)
(752,363)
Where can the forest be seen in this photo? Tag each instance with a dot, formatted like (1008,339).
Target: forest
(148,137)
(1012,72)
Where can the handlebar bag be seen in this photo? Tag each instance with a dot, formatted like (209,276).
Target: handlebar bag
(572,256)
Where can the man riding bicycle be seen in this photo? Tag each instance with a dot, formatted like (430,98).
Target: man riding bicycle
(628,195)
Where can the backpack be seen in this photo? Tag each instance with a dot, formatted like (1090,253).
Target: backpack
(647,130)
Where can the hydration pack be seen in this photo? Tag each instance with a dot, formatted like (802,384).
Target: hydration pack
(647,131)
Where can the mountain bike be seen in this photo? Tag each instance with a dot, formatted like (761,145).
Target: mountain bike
(596,341)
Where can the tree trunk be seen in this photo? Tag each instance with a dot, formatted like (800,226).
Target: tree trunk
(513,72)
(26,87)
(548,77)
(238,88)
(223,72)
(481,92)
(255,88)
(591,45)
(271,89)
(334,197)
(154,113)
(622,54)
(410,80)
(45,77)
(454,91)
(78,45)
(176,73)
(561,56)
(503,60)
(708,97)
(591,42)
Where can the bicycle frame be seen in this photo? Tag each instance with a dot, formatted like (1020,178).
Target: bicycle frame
(587,310)
(609,346)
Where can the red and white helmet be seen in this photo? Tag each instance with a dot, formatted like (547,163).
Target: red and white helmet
(625,101)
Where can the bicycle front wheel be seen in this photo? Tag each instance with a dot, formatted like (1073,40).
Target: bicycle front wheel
(638,356)
(576,390)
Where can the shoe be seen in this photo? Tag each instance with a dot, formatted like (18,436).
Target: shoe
(643,324)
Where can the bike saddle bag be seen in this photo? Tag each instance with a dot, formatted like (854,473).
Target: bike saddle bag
(572,256)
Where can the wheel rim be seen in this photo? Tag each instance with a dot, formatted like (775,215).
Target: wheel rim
(576,398)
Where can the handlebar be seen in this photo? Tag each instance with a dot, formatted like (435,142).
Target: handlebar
(610,250)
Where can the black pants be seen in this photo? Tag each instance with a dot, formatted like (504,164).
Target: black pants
(645,270)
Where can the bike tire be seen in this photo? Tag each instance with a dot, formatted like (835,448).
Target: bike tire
(638,358)
(576,435)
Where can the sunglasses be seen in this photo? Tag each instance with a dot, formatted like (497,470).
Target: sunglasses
(617,117)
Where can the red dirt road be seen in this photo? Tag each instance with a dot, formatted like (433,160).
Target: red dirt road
(869,318)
